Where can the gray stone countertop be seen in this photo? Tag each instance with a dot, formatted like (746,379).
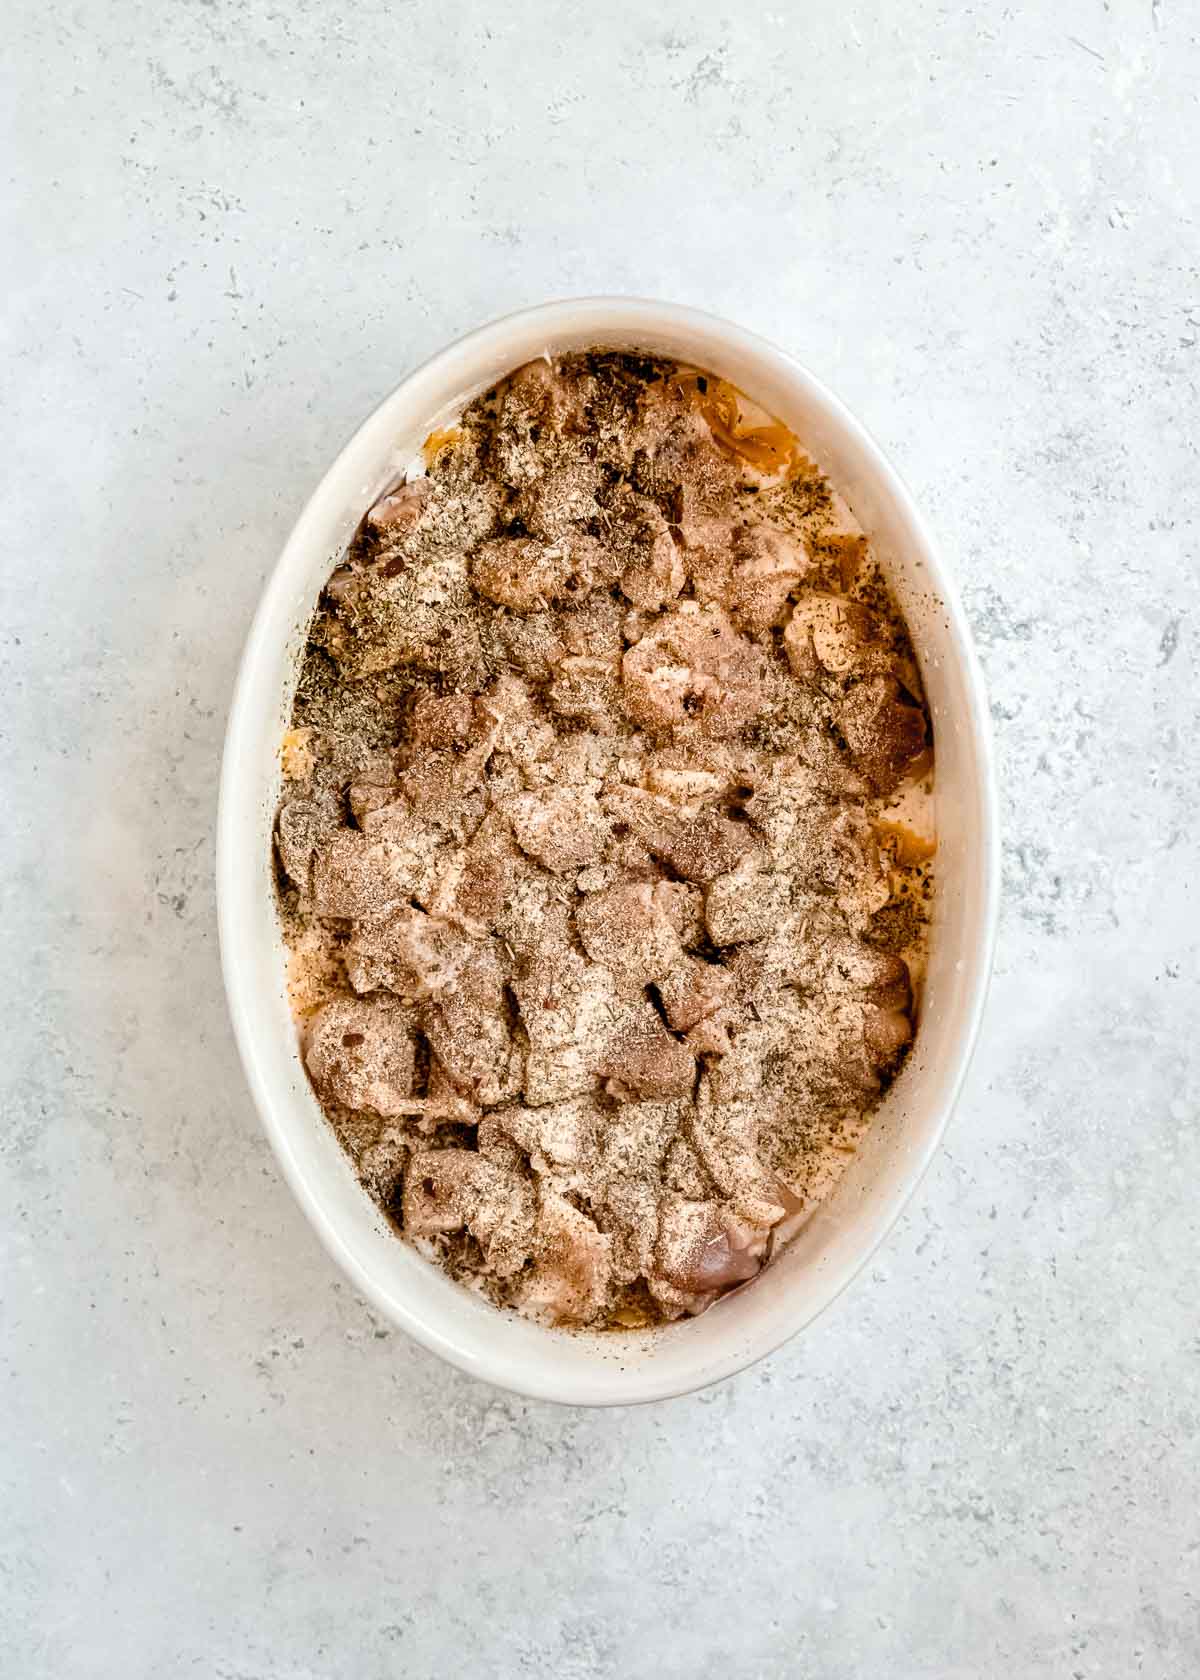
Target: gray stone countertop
(229,228)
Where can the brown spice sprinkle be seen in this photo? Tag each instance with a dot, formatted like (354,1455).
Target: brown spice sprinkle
(602,852)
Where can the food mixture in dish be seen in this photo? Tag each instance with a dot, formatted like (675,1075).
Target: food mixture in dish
(604,847)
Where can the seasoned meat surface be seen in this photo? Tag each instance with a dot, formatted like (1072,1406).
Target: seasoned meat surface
(603,848)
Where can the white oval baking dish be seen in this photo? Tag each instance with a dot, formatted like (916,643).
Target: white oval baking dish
(574,1367)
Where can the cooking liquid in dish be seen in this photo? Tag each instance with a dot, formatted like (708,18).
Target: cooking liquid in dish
(606,842)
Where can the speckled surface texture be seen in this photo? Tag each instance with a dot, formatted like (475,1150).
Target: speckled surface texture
(229,229)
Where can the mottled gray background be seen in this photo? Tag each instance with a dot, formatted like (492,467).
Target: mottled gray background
(229,227)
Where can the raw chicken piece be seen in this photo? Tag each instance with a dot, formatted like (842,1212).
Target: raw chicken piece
(505,1225)
(684,904)
(648,564)
(569,1279)
(533,401)
(630,930)
(496,888)
(698,848)
(683,1170)
(562,828)
(767,565)
(519,573)
(304,824)
(444,789)
(526,575)
(701,1250)
(833,634)
(536,394)
(642,1059)
(809,949)
(746,903)
(592,628)
(556,1135)
(484,874)
(442,1190)
(407,611)
(409,953)
(657,575)
(360,1052)
(444,1103)
(714,1035)
(401,508)
(694,669)
(493,1141)
(884,731)
(442,720)
(577,759)
(725,1133)
(532,642)
(447,1190)
(783,795)
(688,472)
(380,1162)
(749,570)
(689,776)
(559,506)
(881,976)
(885,1033)
(810,835)
(467,1029)
(883,726)
(505,713)
(375,785)
(693,991)
(633,1134)
(864,1014)
(587,691)
(569,1008)
(708,561)
(626,1210)
(359,875)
